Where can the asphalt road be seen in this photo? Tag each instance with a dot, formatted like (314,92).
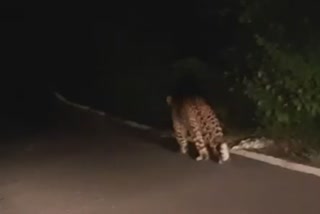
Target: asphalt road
(89,165)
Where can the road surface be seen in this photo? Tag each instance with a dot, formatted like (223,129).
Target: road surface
(91,165)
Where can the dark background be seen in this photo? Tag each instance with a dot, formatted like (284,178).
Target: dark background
(117,58)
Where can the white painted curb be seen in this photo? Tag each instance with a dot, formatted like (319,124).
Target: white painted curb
(76,105)
(252,155)
(278,162)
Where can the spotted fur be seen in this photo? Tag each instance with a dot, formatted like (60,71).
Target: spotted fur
(195,121)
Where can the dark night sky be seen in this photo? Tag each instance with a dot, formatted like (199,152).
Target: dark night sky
(73,39)
(47,50)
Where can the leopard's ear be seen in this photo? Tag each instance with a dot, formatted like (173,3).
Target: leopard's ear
(169,100)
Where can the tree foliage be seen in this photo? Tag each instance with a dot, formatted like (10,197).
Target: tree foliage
(283,60)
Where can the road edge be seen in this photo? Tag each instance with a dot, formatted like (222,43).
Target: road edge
(248,154)
(278,162)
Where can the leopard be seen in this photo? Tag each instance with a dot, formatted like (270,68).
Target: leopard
(194,121)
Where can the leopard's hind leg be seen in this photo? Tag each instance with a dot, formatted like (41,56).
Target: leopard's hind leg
(220,149)
(181,135)
(198,139)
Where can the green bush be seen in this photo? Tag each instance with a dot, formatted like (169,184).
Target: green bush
(283,60)
(286,86)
